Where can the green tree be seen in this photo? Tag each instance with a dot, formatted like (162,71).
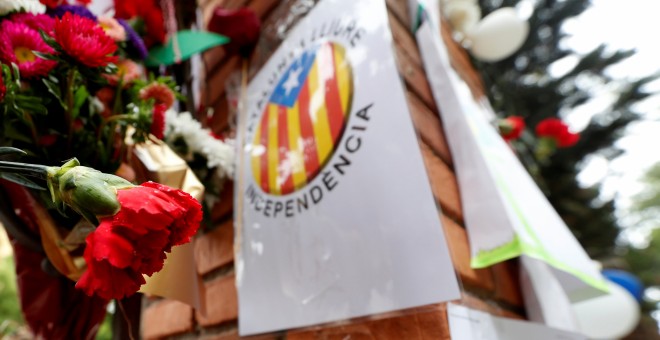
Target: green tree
(522,85)
(643,260)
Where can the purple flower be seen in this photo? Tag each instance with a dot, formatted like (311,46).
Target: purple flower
(134,40)
(81,11)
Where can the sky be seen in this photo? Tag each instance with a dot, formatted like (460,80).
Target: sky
(621,24)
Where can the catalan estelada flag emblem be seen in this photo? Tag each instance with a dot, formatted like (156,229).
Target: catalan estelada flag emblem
(303,120)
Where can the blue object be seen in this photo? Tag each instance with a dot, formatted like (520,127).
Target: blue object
(626,280)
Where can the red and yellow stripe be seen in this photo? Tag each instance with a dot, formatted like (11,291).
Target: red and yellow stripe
(291,145)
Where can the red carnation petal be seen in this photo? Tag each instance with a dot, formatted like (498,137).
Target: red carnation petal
(111,246)
(186,226)
(109,282)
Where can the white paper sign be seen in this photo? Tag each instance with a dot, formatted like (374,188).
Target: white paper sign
(545,300)
(470,324)
(338,219)
(506,214)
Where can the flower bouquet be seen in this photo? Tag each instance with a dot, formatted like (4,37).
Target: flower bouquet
(72,87)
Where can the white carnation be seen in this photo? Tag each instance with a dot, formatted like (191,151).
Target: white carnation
(219,155)
(29,6)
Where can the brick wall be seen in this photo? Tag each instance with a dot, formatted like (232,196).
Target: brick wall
(494,289)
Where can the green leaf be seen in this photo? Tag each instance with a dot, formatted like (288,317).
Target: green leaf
(49,40)
(190,42)
(54,89)
(13,134)
(46,56)
(8,150)
(79,99)
(17,74)
(21,180)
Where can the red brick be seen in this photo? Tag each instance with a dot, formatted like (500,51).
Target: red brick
(215,249)
(414,77)
(400,10)
(212,58)
(424,323)
(221,302)
(219,122)
(262,7)
(404,39)
(507,283)
(166,318)
(443,183)
(460,60)
(471,301)
(225,205)
(509,314)
(460,254)
(233,335)
(216,80)
(429,127)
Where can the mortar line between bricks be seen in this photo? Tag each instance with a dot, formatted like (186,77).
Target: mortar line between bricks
(400,20)
(489,298)
(449,164)
(220,272)
(227,327)
(217,223)
(455,219)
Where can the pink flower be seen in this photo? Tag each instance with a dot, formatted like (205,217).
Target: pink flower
(112,28)
(36,21)
(160,93)
(84,41)
(17,41)
(127,70)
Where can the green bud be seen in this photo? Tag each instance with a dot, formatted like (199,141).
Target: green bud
(545,148)
(504,126)
(87,191)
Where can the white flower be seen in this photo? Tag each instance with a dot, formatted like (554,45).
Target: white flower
(462,15)
(29,6)
(219,155)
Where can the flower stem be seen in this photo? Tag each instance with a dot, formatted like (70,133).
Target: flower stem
(69,106)
(33,129)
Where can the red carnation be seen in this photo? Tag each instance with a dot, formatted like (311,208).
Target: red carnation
(84,40)
(151,14)
(126,9)
(51,3)
(47,140)
(511,127)
(158,121)
(152,218)
(557,130)
(241,26)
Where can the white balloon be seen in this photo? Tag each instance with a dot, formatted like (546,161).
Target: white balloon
(610,316)
(498,35)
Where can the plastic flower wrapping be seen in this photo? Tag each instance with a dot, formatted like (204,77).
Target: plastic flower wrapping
(77,100)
